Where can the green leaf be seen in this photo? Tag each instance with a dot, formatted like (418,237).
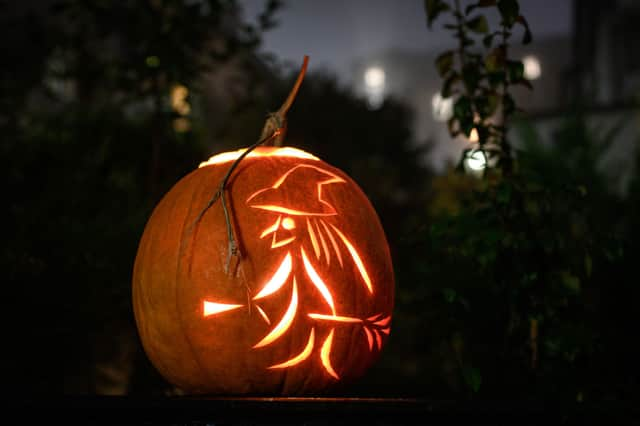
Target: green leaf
(509,11)
(462,108)
(472,378)
(526,38)
(486,105)
(471,77)
(433,8)
(495,59)
(152,61)
(588,265)
(447,87)
(488,40)
(496,78)
(478,24)
(515,70)
(449,294)
(508,104)
(503,195)
(570,281)
(444,62)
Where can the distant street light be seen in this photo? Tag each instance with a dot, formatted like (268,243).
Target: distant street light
(475,161)
(374,78)
(532,68)
(442,108)
(374,84)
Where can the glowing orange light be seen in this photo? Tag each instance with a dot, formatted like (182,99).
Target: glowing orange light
(292,212)
(288,224)
(317,281)
(278,279)
(264,315)
(263,151)
(276,244)
(378,339)
(314,241)
(325,353)
(212,308)
(333,242)
(383,322)
(356,258)
(369,337)
(330,211)
(301,356)
(272,228)
(325,248)
(323,237)
(336,318)
(284,323)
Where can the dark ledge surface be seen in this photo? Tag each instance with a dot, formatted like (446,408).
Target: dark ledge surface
(106,410)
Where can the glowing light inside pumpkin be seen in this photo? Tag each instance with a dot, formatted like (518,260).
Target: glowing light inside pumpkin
(356,258)
(369,337)
(284,323)
(317,281)
(378,339)
(383,322)
(314,241)
(323,237)
(273,228)
(333,242)
(263,314)
(335,318)
(262,151)
(278,279)
(212,308)
(325,354)
(301,356)
(325,248)
(292,212)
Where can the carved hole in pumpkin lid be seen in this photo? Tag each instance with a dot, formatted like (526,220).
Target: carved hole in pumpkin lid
(261,151)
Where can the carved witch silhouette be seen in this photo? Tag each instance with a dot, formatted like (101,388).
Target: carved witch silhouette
(296,222)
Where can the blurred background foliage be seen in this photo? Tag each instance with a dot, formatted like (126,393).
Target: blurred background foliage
(507,287)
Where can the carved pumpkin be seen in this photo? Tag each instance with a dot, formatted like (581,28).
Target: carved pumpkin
(307,307)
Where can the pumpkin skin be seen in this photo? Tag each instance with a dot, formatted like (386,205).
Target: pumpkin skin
(307,307)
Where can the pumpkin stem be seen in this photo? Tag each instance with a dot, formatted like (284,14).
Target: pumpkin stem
(278,120)
(272,133)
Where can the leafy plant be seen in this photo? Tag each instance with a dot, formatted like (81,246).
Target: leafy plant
(478,74)
(513,267)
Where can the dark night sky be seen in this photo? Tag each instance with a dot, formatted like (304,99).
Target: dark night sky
(334,33)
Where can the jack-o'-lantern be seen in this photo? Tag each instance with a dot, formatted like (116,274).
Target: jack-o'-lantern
(299,303)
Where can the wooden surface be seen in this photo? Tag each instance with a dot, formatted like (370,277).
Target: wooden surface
(88,410)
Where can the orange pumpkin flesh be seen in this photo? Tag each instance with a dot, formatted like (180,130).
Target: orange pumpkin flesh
(306,309)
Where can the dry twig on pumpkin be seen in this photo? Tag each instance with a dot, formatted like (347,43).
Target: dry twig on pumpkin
(274,130)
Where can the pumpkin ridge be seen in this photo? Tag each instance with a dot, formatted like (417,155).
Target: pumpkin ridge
(176,298)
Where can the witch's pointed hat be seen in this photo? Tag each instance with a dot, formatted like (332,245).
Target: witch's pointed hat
(298,192)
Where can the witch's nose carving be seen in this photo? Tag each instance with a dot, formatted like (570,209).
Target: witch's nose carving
(282,231)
